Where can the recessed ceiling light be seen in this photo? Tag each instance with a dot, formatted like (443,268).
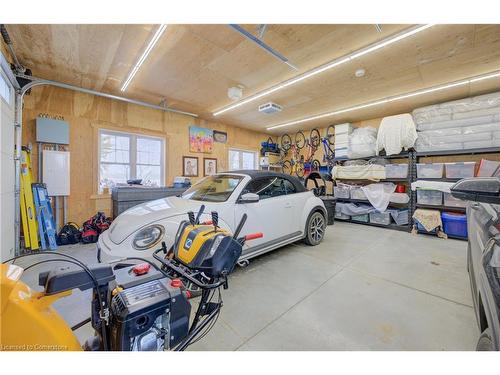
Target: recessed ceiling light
(341,60)
(390,99)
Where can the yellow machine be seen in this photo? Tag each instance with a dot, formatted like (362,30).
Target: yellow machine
(134,307)
(28,320)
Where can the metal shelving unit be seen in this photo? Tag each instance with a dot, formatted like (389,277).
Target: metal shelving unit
(423,154)
(410,158)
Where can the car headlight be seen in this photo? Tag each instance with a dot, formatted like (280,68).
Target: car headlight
(148,237)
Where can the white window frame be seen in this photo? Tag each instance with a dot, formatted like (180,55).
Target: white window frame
(132,154)
(4,80)
(255,161)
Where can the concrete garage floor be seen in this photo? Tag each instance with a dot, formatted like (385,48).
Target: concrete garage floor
(363,288)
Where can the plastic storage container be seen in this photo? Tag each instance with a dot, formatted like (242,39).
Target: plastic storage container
(460,170)
(421,228)
(358,193)
(382,218)
(396,170)
(341,191)
(451,201)
(487,168)
(361,218)
(430,170)
(339,214)
(430,197)
(400,217)
(454,224)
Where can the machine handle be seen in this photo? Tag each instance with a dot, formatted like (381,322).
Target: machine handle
(253,236)
(240,226)
(202,208)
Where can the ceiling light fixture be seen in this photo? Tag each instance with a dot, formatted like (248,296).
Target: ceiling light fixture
(391,99)
(341,60)
(144,55)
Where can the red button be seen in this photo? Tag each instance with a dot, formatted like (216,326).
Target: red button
(176,283)
(141,269)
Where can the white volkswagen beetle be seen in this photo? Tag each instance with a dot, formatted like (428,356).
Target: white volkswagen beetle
(276,204)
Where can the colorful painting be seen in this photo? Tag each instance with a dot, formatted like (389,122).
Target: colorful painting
(201,139)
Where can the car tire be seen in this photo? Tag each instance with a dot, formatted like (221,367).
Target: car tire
(315,229)
(485,342)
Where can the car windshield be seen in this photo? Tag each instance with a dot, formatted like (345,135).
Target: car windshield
(216,188)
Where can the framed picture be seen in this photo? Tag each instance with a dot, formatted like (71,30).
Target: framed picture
(220,137)
(209,166)
(189,166)
(201,139)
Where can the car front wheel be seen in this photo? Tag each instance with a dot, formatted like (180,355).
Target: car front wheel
(485,343)
(315,229)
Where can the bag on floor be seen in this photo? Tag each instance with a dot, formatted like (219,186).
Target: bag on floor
(69,234)
(95,226)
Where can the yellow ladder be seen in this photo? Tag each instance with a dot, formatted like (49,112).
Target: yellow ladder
(28,212)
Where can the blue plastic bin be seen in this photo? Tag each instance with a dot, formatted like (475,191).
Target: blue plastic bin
(454,224)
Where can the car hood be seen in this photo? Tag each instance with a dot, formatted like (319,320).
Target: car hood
(148,213)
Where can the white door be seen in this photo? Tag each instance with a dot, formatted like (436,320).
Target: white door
(7,207)
(272,215)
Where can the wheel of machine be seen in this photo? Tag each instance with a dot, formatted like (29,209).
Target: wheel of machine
(315,165)
(330,134)
(485,342)
(315,137)
(286,142)
(287,167)
(315,229)
(300,140)
(299,169)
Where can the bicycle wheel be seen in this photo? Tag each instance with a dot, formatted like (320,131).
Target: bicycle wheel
(299,170)
(287,167)
(315,137)
(315,165)
(286,142)
(330,134)
(300,140)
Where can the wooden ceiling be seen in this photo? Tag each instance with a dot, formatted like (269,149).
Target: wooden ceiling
(192,66)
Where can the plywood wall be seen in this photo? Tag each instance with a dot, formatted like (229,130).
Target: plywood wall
(86,114)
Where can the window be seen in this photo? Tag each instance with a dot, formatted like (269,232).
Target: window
(269,187)
(124,156)
(241,159)
(5,89)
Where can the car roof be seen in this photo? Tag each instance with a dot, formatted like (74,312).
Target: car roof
(253,173)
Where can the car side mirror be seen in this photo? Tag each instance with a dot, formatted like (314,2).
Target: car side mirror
(478,189)
(249,198)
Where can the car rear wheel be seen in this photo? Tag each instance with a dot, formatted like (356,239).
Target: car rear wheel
(315,229)
(485,343)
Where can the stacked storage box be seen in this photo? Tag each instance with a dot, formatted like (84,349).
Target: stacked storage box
(465,124)
(342,133)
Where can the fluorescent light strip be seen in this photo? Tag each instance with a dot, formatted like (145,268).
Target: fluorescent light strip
(330,65)
(144,55)
(391,99)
